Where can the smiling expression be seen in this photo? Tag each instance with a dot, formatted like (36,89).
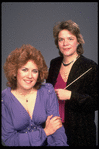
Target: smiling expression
(27,75)
(67,43)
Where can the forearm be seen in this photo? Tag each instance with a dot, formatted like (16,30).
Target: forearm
(28,138)
(84,101)
(60,138)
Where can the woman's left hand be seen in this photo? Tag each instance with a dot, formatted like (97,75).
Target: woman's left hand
(63,94)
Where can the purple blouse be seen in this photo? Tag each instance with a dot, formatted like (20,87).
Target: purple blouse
(61,84)
(18,129)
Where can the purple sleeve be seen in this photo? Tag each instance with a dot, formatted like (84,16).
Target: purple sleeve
(59,137)
(11,137)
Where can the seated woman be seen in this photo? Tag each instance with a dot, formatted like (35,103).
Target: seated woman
(30,114)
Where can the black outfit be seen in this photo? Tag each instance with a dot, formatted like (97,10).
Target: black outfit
(80,109)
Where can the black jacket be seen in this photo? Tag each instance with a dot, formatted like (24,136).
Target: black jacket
(80,109)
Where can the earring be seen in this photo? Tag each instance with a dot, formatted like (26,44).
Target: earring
(77,45)
(14,76)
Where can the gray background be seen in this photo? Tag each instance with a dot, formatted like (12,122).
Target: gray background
(32,23)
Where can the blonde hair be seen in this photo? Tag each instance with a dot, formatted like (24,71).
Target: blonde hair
(74,29)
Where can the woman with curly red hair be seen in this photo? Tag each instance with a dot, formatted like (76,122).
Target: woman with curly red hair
(30,114)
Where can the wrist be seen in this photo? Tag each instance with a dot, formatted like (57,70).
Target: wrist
(46,132)
(69,95)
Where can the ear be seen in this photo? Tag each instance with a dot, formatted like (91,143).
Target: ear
(77,44)
(14,76)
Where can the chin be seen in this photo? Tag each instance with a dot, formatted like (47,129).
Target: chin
(27,87)
(67,54)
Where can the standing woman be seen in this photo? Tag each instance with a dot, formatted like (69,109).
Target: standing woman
(74,78)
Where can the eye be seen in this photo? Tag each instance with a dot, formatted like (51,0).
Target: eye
(35,71)
(60,39)
(71,38)
(24,69)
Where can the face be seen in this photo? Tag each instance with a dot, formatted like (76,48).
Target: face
(27,76)
(67,43)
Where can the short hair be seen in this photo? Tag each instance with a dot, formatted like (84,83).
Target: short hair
(74,29)
(18,58)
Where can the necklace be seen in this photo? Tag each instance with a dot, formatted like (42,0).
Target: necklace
(26,96)
(70,62)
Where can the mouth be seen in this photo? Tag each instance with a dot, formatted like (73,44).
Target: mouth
(66,49)
(28,81)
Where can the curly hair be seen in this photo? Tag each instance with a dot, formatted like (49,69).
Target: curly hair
(74,29)
(18,58)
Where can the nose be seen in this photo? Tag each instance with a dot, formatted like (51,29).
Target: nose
(65,42)
(30,75)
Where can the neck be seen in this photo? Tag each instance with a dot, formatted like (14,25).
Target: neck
(68,59)
(25,92)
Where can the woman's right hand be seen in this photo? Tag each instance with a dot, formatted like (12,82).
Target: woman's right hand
(52,124)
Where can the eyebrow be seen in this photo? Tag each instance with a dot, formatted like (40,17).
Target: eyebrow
(28,68)
(67,37)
